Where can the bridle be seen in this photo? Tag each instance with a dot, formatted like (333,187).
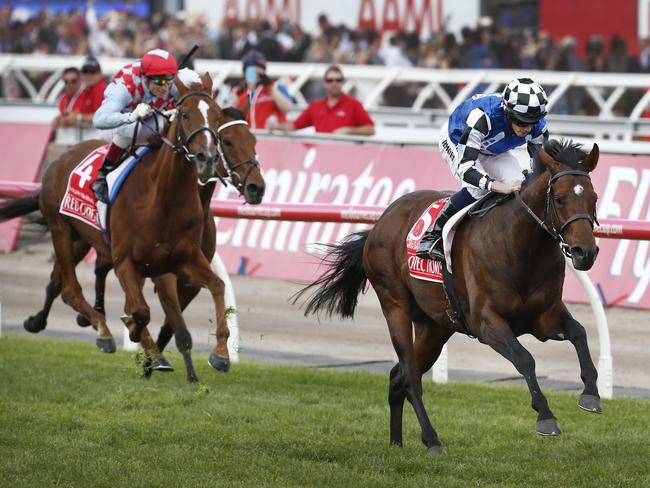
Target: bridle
(549,207)
(180,146)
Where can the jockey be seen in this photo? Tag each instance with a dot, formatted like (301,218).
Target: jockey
(132,95)
(476,143)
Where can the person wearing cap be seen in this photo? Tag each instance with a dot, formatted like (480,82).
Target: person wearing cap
(131,97)
(94,85)
(69,103)
(264,102)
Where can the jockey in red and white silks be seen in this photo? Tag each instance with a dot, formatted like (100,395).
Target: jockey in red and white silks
(132,95)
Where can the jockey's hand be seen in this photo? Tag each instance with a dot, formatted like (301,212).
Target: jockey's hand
(506,188)
(142,111)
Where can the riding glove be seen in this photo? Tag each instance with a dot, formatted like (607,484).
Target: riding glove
(142,111)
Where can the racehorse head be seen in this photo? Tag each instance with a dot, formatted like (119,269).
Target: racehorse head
(236,148)
(570,208)
(196,115)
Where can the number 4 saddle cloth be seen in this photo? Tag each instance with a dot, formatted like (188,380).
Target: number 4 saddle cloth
(79,202)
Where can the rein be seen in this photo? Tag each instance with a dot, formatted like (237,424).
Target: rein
(550,206)
(180,147)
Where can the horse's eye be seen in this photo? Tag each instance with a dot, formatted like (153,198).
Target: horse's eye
(558,199)
(227,142)
(184,115)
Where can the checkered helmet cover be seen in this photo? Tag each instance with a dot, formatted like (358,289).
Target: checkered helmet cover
(524,100)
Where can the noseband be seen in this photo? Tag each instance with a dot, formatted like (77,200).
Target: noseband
(180,145)
(549,207)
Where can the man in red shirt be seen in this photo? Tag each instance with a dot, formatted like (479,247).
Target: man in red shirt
(70,101)
(94,85)
(264,102)
(337,113)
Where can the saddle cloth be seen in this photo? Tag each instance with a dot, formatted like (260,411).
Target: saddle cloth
(431,269)
(79,202)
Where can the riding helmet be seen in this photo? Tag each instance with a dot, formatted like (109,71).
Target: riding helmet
(159,62)
(524,100)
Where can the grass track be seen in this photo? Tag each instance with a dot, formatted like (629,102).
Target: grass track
(73,417)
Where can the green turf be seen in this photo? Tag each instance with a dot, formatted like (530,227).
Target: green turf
(71,416)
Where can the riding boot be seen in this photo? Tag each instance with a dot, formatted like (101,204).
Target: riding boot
(430,246)
(112,160)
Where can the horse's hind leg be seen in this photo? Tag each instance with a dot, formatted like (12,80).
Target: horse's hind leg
(166,287)
(590,398)
(72,293)
(37,322)
(496,333)
(102,268)
(429,340)
(406,377)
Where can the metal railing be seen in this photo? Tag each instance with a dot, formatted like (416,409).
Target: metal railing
(434,92)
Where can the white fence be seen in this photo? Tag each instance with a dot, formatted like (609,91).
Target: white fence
(445,88)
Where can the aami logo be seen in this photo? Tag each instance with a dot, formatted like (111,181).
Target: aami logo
(275,11)
(421,16)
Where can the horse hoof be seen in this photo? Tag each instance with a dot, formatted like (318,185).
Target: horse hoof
(82,321)
(435,450)
(161,364)
(590,403)
(35,323)
(147,371)
(219,363)
(106,344)
(548,427)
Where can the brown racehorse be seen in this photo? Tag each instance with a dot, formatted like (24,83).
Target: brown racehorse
(159,224)
(508,273)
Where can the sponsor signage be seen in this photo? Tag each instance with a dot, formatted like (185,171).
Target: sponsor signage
(353,174)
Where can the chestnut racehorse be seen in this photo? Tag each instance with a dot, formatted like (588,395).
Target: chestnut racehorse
(508,274)
(158,225)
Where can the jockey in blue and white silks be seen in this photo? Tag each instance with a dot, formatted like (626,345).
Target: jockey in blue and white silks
(476,142)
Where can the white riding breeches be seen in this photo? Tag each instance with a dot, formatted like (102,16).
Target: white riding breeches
(122,136)
(501,167)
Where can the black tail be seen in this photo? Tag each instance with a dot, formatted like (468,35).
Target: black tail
(339,287)
(18,207)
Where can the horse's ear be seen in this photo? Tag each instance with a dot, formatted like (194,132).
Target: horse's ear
(206,79)
(551,164)
(590,162)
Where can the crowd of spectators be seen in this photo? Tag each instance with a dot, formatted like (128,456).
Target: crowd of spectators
(124,34)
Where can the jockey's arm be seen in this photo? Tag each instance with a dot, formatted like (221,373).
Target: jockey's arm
(476,130)
(109,115)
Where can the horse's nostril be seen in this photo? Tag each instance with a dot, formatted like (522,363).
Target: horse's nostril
(578,252)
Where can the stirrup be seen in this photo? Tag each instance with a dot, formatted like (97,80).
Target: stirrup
(99,188)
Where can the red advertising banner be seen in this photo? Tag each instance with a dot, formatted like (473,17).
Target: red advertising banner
(353,174)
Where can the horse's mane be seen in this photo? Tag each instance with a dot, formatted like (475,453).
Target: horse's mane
(234,113)
(564,150)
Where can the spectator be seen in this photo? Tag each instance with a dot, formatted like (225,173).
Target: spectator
(69,102)
(337,113)
(94,85)
(263,101)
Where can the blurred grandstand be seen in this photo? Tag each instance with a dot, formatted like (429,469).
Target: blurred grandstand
(409,70)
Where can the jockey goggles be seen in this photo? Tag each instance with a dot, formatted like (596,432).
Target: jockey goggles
(162,80)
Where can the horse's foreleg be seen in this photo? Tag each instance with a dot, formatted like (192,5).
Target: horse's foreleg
(71,292)
(407,379)
(166,287)
(185,296)
(199,273)
(590,398)
(496,333)
(136,309)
